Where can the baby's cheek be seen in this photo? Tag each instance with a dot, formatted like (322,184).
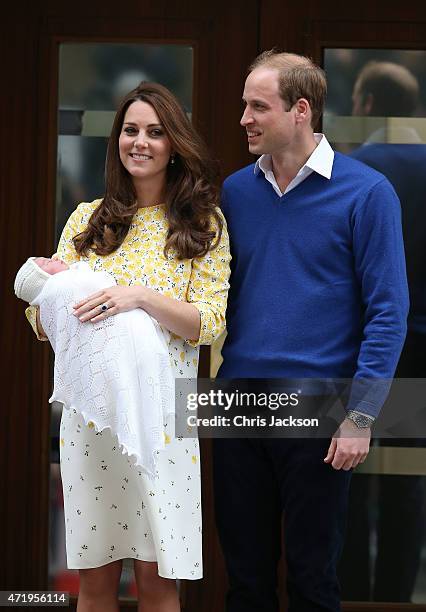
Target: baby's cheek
(55,266)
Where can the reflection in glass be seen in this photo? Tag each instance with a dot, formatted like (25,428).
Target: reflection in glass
(93,77)
(376,113)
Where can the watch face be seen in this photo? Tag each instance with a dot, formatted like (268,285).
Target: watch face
(360,420)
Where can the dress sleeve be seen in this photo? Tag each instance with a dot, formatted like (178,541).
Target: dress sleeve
(31,314)
(66,252)
(208,289)
(74,225)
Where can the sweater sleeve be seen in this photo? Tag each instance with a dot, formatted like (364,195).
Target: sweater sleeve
(66,252)
(208,289)
(380,267)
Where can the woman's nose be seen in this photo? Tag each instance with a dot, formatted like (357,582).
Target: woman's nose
(140,140)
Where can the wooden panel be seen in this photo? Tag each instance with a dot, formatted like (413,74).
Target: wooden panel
(298,28)
(25,365)
(354,34)
(382,607)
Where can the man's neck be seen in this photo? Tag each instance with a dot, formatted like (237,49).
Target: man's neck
(287,163)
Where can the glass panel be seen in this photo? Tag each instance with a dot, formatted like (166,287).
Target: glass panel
(381,103)
(93,77)
(375,112)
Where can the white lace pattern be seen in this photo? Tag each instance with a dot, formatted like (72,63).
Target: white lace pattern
(116,373)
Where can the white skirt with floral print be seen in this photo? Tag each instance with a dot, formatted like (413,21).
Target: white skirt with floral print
(114,511)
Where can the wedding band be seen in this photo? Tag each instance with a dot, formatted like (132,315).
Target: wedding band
(104,307)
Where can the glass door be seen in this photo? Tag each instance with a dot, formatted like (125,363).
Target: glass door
(93,77)
(376,113)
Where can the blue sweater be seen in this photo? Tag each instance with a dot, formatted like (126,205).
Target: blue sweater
(318,284)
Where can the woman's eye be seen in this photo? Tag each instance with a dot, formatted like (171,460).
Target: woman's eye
(157,132)
(129,130)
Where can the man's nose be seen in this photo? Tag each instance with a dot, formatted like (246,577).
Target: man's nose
(246,117)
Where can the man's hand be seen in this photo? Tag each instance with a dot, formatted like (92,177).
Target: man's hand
(349,446)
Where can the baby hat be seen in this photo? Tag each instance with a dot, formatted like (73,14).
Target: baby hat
(30,280)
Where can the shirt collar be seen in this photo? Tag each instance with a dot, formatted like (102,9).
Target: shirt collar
(320,160)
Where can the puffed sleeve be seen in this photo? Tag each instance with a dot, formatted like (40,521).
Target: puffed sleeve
(208,289)
(66,252)
(76,223)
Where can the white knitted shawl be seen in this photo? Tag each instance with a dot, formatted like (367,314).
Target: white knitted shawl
(117,372)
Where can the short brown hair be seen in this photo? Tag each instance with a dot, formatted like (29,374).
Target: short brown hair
(298,77)
(394,88)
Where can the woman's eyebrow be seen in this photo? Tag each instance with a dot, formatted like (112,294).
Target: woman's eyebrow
(149,124)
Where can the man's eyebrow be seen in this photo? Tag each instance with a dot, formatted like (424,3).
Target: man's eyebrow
(255,101)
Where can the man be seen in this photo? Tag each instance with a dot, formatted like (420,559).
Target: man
(387,89)
(318,290)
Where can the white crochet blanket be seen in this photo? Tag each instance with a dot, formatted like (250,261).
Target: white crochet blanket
(117,372)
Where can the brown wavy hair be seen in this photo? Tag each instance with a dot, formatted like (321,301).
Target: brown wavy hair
(191,191)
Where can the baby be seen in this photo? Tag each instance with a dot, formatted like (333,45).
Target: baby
(115,372)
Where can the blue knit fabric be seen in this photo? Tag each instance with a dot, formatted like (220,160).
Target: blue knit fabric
(318,285)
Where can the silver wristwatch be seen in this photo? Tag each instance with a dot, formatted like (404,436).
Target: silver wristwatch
(361,420)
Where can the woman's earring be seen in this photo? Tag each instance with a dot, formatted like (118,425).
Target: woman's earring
(172,160)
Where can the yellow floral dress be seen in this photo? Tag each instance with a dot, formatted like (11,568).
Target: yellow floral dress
(112,509)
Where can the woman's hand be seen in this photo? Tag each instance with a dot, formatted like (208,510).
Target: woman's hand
(181,318)
(108,302)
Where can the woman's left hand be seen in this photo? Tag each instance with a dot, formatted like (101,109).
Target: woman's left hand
(108,302)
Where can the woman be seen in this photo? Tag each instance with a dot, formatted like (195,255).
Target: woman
(159,232)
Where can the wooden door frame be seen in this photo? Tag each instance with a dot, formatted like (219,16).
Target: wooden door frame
(30,36)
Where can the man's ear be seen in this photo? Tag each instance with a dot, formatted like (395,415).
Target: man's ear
(368,104)
(303,110)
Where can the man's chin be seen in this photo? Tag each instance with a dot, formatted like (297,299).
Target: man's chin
(254,149)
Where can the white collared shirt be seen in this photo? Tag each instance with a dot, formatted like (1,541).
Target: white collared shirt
(320,161)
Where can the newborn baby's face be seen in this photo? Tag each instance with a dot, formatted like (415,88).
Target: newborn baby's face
(51,266)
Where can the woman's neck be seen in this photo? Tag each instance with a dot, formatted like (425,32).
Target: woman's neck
(150,192)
